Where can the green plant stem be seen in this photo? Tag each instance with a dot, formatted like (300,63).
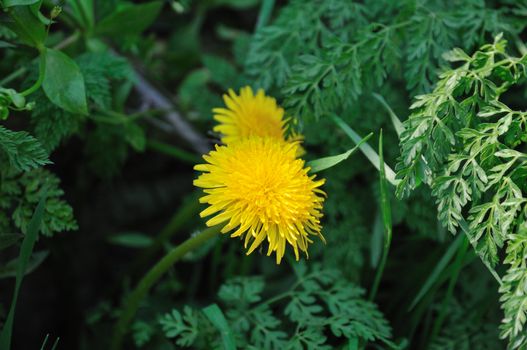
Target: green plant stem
(68,41)
(173,151)
(41,74)
(117,118)
(20,71)
(133,301)
(196,24)
(26,249)
(458,265)
(178,220)
(15,75)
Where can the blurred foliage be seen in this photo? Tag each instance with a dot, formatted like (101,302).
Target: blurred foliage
(80,115)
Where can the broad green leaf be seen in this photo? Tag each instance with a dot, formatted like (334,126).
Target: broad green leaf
(25,253)
(29,29)
(194,82)
(216,317)
(9,3)
(131,240)
(10,268)
(64,83)
(135,136)
(8,239)
(129,20)
(327,162)
(222,72)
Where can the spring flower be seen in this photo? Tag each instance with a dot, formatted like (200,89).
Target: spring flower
(258,188)
(249,114)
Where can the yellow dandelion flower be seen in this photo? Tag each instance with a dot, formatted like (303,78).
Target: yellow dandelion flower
(249,114)
(258,188)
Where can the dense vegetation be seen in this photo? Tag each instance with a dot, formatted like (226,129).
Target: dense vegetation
(107,106)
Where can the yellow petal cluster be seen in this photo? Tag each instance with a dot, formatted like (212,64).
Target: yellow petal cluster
(248,115)
(261,191)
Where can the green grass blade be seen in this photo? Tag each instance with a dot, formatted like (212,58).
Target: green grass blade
(216,317)
(10,269)
(8,239)
(45,342)
(25,253)
(131,240)
(386,213)
(366,149)
(265,13)
(353,344)
(436,272)
(56,343)
(328,162)
(458,265)
(173,151)
(376,241)
(397,124)
(385,201)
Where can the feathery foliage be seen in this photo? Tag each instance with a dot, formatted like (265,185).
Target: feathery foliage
(326,54)
(318,305)
(22,150)
(466,143)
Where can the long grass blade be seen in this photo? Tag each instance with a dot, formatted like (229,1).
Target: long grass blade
(265,13)
(397,124)
(436,272)
(386,213)
(458,265)
(328,162)
(55,344)
(366,149)
(43,346)
(25,253)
